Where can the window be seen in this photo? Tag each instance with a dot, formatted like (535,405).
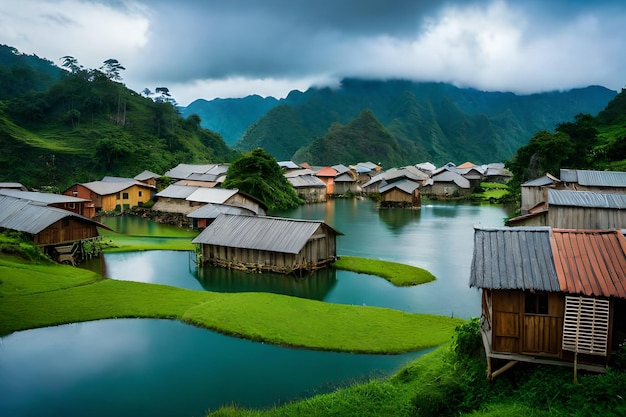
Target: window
(124,196)
(536,303)
(118,196)
(139,193)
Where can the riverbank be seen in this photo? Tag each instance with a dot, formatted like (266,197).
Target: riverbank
(35,295)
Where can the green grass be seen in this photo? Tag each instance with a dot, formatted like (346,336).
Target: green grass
(43,295)
(398,274)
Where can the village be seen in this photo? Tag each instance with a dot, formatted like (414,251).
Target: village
(553,279)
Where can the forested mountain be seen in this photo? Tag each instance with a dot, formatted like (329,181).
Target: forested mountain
(434,122)
(86,124)
(588,142)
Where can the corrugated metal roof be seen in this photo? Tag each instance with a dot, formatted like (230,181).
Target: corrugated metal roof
(32,217)
(344,178)
(288,164)
(182,171)
(327,172)
(513,258)
(602,178)
(590,262)
(146,175)
(113,187)
(299,172)
(203,177)
(586,199)
(177,191)
(541,181)
(405,185)
(211,211)
(273,234)
(212,195)
(306,181)
(449,176)
(341,169)
(13,185)
(46,198)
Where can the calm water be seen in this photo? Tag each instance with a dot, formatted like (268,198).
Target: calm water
(163,368)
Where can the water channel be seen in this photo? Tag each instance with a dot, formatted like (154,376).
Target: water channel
(166,368)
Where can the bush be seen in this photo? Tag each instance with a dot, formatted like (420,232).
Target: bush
(468,342)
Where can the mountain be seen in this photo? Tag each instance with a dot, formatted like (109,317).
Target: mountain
(230,117)
(83,125)
(435,122)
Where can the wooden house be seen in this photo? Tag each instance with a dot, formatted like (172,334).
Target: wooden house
(205,215)
(76,205)
(444,183)
(184,199)
(63,235)
(147,177)
(113,195)
(261,243)
(612,182)
(550,296)
(199,172)
(577,210)
(404,194)
(308,187)
(534,192)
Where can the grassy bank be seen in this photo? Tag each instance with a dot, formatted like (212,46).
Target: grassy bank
(398,274)
(116,242)
(451,381)
(44,295)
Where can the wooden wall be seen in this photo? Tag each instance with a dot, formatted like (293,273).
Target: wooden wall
(516,331)
(586,218)
(66,230)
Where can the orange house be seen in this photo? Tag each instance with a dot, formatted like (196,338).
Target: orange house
(327,175)
(113,195)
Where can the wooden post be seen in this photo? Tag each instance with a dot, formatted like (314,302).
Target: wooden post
(576,367)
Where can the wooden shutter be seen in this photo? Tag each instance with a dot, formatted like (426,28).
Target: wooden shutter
(586,325)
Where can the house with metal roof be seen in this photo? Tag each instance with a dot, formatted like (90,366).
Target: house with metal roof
(403,194)
(148,177)
(308,187)
(12,186)
(534,191)
(327,175)
(183,199)
(205,215)
(549,295)
(584,180)
(576,210)
(63,235)
(76,205)
(263,243)
(445,183)
(113,194)
(199,172)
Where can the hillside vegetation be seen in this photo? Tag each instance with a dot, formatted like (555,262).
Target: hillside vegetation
(87,124)
(594,143)
(434,122)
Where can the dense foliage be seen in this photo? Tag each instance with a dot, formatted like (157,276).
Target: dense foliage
(258,174)
(596,143)
(86,125)
(363,138)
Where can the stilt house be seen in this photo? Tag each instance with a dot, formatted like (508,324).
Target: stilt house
(262,243)
(550,295)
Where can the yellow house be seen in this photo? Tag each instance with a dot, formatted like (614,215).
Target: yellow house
(113,195)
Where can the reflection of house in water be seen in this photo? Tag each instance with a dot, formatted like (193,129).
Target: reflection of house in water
(315,287)
(261,243)
(550,296)
(396,220)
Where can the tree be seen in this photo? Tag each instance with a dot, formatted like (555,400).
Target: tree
(71,64)
(111,68)
(257,173)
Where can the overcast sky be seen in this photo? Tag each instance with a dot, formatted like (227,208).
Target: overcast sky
(233,48)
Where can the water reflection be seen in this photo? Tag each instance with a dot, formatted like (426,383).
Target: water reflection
(397,219)
(315,286)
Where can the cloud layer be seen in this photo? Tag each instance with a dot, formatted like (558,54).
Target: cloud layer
(213,48)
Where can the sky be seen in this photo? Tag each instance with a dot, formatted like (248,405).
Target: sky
(233,48)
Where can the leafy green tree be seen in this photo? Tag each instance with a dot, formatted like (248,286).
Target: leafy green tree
(112,68)
(257,173)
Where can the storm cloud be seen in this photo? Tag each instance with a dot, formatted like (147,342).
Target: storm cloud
(211,48)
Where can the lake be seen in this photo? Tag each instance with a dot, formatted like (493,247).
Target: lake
(163,368)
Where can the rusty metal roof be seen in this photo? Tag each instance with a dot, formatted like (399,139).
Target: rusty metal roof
(588,262)
(273,234)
